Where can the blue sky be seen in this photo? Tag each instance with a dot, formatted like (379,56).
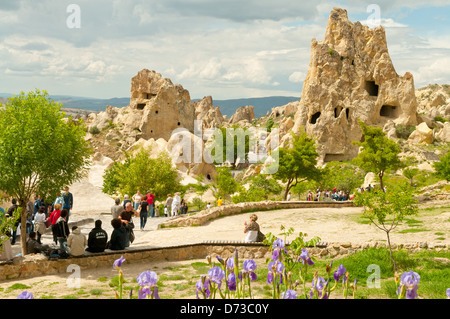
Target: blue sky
(226,49)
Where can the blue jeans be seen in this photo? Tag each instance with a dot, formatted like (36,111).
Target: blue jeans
(143,220)
(151,207)
(63,244)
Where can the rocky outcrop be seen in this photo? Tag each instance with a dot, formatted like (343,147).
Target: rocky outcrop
(244,113)
(351,77)
(210,116)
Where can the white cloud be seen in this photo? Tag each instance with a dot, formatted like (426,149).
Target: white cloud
(297,77)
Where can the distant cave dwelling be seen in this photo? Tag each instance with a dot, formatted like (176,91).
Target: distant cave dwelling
(371,88)
(389,111)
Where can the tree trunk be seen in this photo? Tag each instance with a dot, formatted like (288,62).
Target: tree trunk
(380,175)
(390,251)
(23,228)
(288,187)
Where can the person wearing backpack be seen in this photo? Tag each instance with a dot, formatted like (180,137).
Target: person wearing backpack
(62,230)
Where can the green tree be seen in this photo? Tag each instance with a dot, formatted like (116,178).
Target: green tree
(260,187)
(224,183)
(141,172)
(298,164)
(230,144)
(344,176)
(41,152)
(443,167)
(379,153)
(386,210)
(410,172)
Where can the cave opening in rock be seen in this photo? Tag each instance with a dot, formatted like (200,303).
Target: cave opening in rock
(347,113)
(314,117)
(371,88)
(337,112)
(388,111)
(141,106)
(334,158)
(150,95)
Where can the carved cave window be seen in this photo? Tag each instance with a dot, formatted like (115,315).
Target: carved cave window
(314,118)
(388,111)
(371,88)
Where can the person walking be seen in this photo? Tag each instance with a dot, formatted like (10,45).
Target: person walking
(176,204)
(143,212)
(168,206)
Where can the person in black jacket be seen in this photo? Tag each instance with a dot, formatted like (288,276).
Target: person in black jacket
(98,238)
(62,230)
(119,235)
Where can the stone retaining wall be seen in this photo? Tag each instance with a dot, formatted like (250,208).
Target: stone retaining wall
(206,215)
(37,265)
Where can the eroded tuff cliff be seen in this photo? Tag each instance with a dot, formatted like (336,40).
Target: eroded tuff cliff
(350,77)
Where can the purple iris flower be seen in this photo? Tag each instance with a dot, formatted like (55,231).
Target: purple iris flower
(290,294)
(278,244)
(304,257)
(411,281)
(201,285)
(231,282)
(25,295)
(143,292)
(249,266)
(216,275)
(319,284)
(275,254)
(339,272)
(118,262)
(230,264)
(275,268)
(448,293)
(147,278)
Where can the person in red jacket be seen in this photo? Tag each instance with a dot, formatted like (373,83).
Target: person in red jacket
(53,218)
(151,203)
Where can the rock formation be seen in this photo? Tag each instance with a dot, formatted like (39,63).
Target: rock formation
(204,111)
(351,77)
(244,113)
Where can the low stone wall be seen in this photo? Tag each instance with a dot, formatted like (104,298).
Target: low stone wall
(36,265)
(206,215)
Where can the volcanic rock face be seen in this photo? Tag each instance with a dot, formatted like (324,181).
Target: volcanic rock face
(204,111)
(350,77)
(164,106)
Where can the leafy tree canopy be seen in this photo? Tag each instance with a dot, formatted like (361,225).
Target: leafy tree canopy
(379,153)
(298,164)
(141,172)
(41,152)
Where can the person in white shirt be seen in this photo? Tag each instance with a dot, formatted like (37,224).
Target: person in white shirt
(137,199)
(40,220)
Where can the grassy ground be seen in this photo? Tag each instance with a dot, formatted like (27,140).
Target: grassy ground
(178,280)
